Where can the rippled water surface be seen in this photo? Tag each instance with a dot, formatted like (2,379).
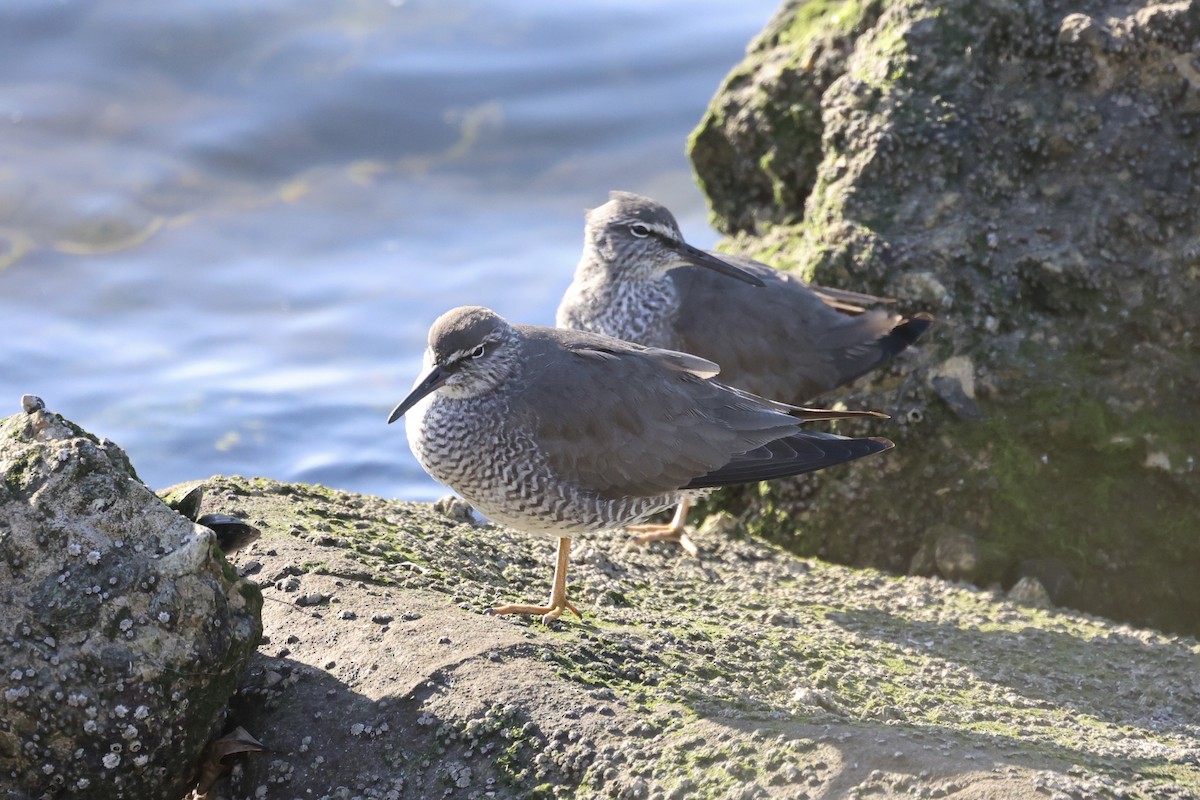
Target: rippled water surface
(225,227)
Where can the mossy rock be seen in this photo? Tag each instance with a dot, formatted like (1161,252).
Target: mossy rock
(747,673)
(1027,173)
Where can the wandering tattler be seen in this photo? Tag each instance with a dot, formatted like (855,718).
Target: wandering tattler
(560,432)
(772,333)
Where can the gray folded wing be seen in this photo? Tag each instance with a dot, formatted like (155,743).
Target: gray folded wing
(806,451)
(621,420)
(782,341)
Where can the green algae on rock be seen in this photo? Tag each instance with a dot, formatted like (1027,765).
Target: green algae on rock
(751,673)
(1028,173)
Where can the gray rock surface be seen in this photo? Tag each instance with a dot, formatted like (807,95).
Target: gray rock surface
(122,633)
(1054,577)
(747,673)
(1029,172)
(1029,591)
(956,554)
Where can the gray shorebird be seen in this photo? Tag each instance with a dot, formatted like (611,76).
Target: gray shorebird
(772,333)
(558,432)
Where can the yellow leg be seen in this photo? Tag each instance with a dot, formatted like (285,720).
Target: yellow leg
(674,531)
(558,591)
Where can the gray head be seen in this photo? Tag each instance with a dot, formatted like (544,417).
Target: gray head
(640,238)
(471,351)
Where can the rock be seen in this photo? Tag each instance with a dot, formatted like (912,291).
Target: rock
(455,508)
(923,562)
(1028,173)
(1029,592)
(1157,460)
(124,632)
(815,698)
(954,381)
(718,526)
(1053,575)
(749,665)
(956,554)
(953,394)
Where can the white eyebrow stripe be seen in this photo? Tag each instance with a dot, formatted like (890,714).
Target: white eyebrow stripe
(459,355)
(654,227)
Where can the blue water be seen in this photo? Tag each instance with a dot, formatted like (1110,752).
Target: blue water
(226,227)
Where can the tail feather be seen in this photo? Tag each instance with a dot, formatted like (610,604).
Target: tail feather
(807,451)
(814,414)
(878,352)
(848,302)
(905,334)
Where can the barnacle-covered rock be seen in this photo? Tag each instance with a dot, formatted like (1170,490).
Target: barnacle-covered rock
(124,633)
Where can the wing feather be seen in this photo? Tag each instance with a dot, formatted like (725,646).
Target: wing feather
(624,420)
(788,342)
(806,451)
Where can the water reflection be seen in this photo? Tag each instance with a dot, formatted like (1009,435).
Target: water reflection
(224,229)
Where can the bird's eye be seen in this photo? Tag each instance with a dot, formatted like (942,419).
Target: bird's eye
(639,230)
(477,352)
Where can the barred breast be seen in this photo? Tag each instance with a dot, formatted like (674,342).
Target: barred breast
(476,447)
(633,310)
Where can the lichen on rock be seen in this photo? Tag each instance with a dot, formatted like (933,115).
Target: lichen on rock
(124,631)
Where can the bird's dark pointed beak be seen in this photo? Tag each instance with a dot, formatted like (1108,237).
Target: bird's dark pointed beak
(431,382)
(694,255)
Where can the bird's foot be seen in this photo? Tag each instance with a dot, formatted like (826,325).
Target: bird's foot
(549,613)
(558,592)
(665,533)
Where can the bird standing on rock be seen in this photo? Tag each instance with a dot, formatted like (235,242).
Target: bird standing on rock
(559,432)
(772,333)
